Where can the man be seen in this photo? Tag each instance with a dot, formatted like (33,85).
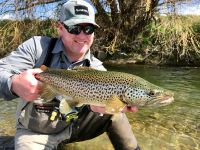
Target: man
(35,129)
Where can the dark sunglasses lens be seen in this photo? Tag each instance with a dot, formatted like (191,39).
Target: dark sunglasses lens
(89,29)
(74,29)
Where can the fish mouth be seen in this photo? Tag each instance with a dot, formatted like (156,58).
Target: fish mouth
(161,101)
(167,100)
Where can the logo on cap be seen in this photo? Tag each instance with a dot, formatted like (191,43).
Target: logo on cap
(81,10)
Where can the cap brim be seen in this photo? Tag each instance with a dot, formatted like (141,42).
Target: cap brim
(72,22)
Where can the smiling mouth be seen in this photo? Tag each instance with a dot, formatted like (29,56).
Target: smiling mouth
(80,42)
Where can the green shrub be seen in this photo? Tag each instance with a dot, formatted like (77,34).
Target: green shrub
(15,32)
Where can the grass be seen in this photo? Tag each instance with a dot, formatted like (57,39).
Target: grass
(173,38)
(14,33)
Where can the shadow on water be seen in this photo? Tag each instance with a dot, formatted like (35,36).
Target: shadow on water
(173,127)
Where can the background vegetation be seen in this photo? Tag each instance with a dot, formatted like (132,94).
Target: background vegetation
(132,30)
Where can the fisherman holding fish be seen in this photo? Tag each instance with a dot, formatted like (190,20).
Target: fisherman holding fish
(43,119)
(35,130)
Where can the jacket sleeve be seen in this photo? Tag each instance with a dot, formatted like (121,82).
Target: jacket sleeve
(23,58)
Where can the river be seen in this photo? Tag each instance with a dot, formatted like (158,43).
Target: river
(172,127)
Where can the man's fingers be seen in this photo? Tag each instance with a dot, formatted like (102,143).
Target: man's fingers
(102,109)
(26,86)
(34,71)
(130,109)
(97,109)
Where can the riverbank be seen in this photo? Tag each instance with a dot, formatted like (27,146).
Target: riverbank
(145,59)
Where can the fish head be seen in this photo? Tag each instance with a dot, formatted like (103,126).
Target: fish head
(142,93)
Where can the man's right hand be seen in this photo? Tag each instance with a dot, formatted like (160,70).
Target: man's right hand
(26,86)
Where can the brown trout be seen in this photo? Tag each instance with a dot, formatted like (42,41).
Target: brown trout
(110,89)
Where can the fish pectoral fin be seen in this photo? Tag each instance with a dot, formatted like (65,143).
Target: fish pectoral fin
(114,105)
(47,92)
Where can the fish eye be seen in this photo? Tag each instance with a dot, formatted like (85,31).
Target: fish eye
(152,93)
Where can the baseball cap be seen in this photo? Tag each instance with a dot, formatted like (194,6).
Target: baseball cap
(76,12)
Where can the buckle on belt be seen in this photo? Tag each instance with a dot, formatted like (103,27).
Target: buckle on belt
(54,114)
(71,115)
(67,117)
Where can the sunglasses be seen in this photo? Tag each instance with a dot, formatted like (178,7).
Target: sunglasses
(76,29)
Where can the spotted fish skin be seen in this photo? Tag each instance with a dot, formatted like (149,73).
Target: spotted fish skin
(103,88)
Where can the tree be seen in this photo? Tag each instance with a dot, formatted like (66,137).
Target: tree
(123,19)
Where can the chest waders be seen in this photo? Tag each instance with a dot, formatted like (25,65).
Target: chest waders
(87,124)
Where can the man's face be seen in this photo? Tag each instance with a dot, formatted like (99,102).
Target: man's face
(75,45)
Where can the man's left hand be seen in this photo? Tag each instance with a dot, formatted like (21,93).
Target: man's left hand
(102,109)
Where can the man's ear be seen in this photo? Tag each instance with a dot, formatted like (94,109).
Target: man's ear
(59,27)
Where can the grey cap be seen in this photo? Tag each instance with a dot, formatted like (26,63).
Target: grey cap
(76,12)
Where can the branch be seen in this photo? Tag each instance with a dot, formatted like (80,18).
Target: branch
(101,12)
(30,4)
(115,15)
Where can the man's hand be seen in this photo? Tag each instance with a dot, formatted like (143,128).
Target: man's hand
(102,109)
(130,109)
(25,85)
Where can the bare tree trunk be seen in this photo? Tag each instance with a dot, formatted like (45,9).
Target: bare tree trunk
(102,17)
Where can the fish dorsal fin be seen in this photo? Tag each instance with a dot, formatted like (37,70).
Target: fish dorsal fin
(82,68)
(114,105)
(43,68)
(48,92)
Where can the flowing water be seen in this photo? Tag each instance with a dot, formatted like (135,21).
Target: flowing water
(172,127)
